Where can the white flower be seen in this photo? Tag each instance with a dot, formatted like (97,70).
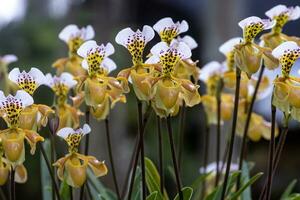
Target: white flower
(212,167)
(95,56)
(162,52)
(188,40)
(21,99)
(168,30)
(135,42)
(253,20)
(292,13)
(72,31)
(28,81)
(64,79)
(212,68)
(285,48)
(228,46)
(13,105)
(67,131)
(9,58)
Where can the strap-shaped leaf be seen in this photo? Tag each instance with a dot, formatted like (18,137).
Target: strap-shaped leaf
(288,190)
(187,193)
(46,179)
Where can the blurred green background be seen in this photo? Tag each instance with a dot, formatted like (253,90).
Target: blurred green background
(29,29)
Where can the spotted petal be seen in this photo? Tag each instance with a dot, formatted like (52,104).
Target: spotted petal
(292,12)
(286,46)
(24,97)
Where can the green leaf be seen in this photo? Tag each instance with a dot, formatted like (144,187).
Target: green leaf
(244,187)
(101,190)
(187,193)
(64,191)
(288,190)
(198,183)
(215,194)
(246,195)
(136,190)
(232,181)
(45,175)
(295,196)
(152,196)
(153,179)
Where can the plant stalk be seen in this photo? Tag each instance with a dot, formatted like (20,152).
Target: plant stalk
(232,137)
(175,164)
(111,158)
(160,151)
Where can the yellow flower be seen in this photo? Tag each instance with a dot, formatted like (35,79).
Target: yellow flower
(281,14)
(168,90)
(247,55)
(100,91)
(73,37)
(135,43)
(73,166)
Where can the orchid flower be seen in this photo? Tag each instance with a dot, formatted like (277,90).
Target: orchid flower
(169,91)
(68,115)
(168,30)
(227,49)
(73,166)
(13,138)
(286,87)
(36,115)
(4,62)
(100,90)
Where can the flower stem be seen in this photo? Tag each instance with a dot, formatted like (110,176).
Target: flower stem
(2,195)
(278,153)
(205,157)
(86,147)
(160,151)
(111,157)
(50,171)
(232,136)
(218,100)
(271,152)
(181,134)
(71,192)
(136,154)
(141,144)
(175,164)
(248,119)
(12,184)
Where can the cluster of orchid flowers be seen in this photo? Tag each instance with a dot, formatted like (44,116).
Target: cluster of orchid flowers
(166,81)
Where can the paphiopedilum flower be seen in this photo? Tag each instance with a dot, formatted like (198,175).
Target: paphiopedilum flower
(68,115)
(168,90)
(5,168)
(281,14)
(211,74)
(74,37)
(13,138)
(187,68)
(4,62)
(227,48)
(248,55)
(135,42)
(73,166)
(286,87)
(35,115)
(168,30)
(100,90)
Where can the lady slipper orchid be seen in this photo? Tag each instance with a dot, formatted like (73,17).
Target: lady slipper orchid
(101,91)
(4,62)
(74,37)
(227,49)
(281,14)
(13,138)
(68,115)
(248,55)
(35,115)
(73,166)
(187,68)
(168,30)
(135,42)
(211,74)
(168,90)
(286,87)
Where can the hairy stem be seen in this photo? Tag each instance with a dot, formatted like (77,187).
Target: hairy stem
(175,164)
(232,136)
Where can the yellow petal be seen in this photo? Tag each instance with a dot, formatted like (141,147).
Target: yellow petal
(33,138)
(21,174)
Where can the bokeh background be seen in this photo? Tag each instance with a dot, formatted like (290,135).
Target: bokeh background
(29,29)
